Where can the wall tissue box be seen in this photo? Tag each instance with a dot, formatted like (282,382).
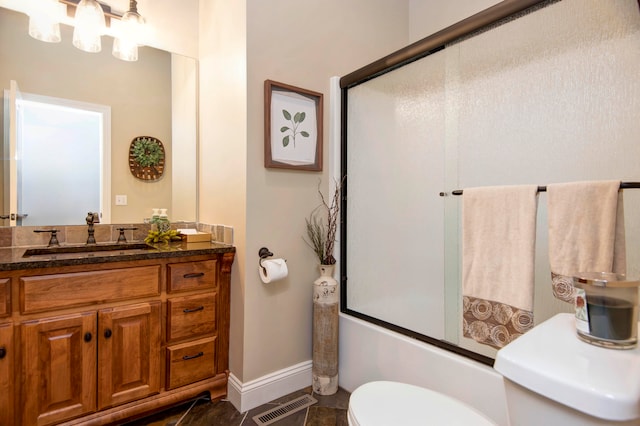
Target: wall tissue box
(194,237)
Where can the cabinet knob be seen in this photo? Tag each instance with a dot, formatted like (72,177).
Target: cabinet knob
(87,336)
(107,333)
(3,352)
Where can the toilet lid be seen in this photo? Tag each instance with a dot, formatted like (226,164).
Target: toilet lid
(391,403)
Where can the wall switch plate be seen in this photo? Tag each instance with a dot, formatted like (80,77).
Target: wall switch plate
(121,200)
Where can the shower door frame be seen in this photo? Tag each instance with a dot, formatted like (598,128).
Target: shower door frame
(420,49)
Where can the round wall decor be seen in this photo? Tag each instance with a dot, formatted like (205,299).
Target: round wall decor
(146,158)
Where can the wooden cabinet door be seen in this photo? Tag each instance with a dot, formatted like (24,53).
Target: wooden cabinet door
(5,297)
(58,368)
(128,353)
(7,391)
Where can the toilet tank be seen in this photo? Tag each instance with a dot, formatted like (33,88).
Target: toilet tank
(552,377)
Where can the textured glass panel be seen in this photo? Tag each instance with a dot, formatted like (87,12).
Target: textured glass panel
(551,96)
(396,136)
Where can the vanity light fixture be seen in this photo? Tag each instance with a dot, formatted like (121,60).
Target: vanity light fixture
(129,34)
(89,26)
(90,19)
(44,21)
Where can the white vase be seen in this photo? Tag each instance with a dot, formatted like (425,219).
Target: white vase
(325,332)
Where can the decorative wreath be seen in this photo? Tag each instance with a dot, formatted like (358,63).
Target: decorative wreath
(147,152)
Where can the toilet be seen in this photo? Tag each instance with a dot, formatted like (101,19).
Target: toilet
(384,403)
(551,378)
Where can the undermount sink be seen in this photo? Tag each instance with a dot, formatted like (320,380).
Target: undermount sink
(84,249)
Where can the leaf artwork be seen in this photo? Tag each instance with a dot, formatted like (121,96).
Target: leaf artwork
(295,121)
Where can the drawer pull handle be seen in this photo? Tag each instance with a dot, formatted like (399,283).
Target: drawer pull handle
(194,275)
(107,333)
(87,337)
(188,311)
(3,352)
(188,357)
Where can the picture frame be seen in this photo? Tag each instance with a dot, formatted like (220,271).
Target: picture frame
(292,127)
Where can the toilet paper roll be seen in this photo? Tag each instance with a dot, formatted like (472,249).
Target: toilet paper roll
(273,270)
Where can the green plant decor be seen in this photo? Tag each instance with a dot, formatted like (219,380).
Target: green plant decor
(295,121)
(160,237)
(147,152)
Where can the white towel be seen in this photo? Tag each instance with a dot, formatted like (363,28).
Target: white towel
(498,251)
(586,232)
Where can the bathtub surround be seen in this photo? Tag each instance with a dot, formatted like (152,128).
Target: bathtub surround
(498,250)
(586,232)
(506,106)
(553,114)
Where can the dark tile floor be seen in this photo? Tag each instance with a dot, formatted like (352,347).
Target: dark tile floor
(330,410)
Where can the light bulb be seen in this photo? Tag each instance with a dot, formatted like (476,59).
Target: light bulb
(129,35)
(89,26)
(44,21)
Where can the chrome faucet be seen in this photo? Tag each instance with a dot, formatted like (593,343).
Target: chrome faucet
(91,219)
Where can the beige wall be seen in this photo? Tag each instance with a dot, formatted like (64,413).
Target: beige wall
(303,44)
(222,157)
(299,43)
(429,16)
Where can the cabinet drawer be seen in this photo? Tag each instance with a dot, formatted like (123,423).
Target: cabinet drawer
(191,316)
(5,297)
(45,292)
(191,275)
(190,362)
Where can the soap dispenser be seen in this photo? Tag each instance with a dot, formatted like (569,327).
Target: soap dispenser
(155,216)
(163,221)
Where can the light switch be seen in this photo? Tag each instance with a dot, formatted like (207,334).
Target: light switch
(121,200)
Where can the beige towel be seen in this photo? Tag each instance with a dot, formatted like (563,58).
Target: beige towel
(498,251)
(586,232)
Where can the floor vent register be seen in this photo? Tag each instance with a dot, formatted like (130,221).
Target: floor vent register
(281,411)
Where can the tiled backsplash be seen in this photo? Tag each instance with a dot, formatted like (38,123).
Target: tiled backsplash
(21,236)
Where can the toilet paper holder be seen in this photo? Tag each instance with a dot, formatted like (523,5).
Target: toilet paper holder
(263,253)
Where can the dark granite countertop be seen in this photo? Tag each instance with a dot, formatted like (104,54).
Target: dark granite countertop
(12,258)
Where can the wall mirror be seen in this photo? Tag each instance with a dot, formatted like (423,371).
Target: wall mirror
(155,96)
(547,95)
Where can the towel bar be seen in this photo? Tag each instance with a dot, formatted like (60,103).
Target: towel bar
(623,185)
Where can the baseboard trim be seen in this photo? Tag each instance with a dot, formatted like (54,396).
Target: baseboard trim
(252,394)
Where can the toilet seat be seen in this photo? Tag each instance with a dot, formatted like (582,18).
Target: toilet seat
(386,403)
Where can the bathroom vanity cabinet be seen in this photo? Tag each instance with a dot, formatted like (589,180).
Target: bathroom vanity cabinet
(95,340)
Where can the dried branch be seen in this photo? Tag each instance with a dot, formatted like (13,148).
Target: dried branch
(322,239)
(315,235)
